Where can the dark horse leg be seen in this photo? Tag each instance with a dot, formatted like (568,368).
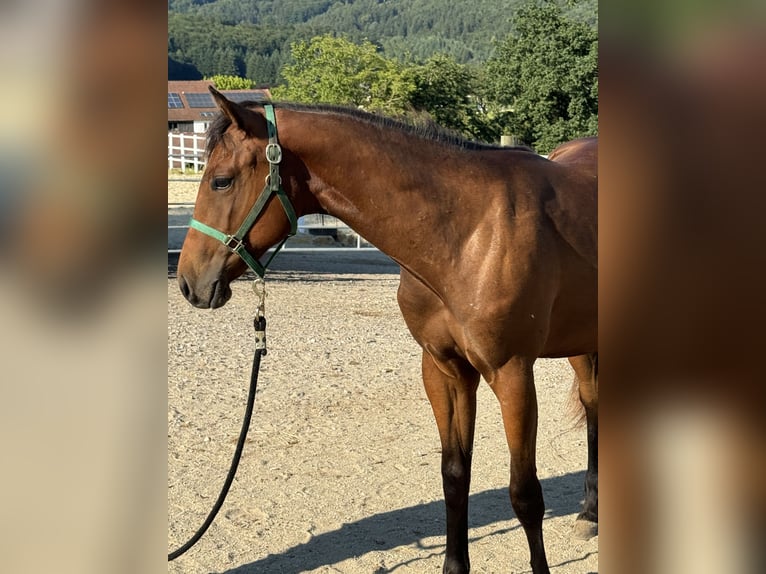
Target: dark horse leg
(451,389)
(515,389)
(586,373)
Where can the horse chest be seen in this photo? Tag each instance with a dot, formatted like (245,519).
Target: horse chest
(485,335)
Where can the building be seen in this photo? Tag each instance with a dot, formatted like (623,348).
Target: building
(191,106)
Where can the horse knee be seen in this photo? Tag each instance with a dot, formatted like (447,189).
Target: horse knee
(527,500)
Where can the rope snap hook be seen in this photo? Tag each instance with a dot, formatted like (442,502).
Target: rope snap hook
(259,288)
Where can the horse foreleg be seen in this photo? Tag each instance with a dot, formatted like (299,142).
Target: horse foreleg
(586,371)
(514,387)
(451,389)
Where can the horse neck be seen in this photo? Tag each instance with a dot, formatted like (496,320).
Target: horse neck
(395,189)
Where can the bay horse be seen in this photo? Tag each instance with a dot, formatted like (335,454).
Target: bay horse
(497,250)
(582,155)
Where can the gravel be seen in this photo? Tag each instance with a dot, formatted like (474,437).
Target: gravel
(340,472)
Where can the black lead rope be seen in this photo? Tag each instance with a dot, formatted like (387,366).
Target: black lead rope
(260,349)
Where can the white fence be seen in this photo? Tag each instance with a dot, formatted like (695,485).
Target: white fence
(186,151)
(316,232)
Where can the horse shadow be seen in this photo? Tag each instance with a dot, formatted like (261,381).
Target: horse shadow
(407,526)
(320,266)
(317,266)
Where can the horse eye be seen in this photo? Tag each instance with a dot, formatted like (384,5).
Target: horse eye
(221,183)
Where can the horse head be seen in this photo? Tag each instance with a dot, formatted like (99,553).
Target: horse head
(236,218)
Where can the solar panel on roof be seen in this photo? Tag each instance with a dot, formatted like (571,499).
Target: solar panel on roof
(244,96)
(200,100)
(174,100)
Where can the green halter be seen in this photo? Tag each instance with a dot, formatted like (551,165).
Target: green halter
(236,241)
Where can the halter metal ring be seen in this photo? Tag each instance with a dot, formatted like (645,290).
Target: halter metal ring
(233,243)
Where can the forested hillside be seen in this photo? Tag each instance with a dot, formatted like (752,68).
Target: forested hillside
(251,38)
(204,46)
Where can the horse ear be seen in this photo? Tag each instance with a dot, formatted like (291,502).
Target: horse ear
(240,116)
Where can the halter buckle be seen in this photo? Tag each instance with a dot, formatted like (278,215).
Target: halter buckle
(273,153)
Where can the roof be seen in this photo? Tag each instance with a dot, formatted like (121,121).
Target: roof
(190,100)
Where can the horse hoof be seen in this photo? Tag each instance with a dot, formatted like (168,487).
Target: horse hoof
(585,529)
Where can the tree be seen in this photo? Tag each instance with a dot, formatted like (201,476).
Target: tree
(228,62)
(228,82)
(544,77)
(334,70)
(214,48)
(263,69)
(447,91)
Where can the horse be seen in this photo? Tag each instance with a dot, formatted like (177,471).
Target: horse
(582,154)
(496,246)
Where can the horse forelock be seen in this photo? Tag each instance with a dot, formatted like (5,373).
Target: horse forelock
(215,132)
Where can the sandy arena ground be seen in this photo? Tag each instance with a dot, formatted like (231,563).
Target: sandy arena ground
(341,469)
(182,188)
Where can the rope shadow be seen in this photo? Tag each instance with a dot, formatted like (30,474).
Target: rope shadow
(408,526)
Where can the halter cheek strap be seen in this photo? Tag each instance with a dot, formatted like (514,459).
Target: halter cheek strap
(236,241)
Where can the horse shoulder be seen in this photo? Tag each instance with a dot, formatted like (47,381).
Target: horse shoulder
(479,320)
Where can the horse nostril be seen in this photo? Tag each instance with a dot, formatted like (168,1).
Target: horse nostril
(184,286)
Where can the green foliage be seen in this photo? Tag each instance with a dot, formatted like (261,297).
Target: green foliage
(544,77)
(334,70)
(214,48)
(228,82)
(264,12)
(480,68)
(419,28)
(414,29)
(447,92)
(264,68)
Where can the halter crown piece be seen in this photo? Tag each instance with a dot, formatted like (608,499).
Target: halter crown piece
(236,241)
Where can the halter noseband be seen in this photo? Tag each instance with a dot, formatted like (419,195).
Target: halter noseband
(236,241)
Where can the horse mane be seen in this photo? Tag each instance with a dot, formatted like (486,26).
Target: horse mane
(427,130)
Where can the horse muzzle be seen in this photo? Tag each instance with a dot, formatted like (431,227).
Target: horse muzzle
(206,294)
